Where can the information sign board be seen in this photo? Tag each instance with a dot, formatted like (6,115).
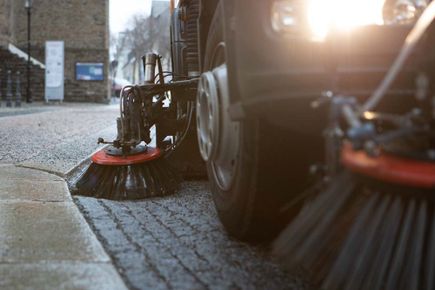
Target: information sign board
(54,70)
(89,71)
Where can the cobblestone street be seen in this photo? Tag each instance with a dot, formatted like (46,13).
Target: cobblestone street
(217,145)
(175,242)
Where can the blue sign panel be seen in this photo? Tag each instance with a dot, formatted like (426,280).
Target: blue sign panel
(89,71)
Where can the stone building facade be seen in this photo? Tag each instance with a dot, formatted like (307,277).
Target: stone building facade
(5,22)
(82,25)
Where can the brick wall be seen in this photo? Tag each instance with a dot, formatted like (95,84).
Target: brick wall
(6,21)
(81,24)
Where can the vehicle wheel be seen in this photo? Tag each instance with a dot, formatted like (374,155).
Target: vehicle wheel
(254,168)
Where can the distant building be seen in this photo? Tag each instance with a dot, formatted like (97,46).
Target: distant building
(81,24)
(157,33)
(158,7)
(161,15)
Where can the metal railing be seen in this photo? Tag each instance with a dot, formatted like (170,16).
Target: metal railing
(10,88)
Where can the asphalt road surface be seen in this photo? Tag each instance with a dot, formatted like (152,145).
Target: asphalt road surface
(174,242)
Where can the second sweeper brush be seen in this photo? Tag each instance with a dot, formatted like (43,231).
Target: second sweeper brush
(373,225)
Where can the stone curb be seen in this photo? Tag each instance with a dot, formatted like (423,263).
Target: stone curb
(45,242)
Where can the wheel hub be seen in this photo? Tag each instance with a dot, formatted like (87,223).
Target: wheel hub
(218,135)
(208,115)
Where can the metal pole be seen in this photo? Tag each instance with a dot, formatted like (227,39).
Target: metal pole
(9,94)
(18,90)
(1,88)
(28,96)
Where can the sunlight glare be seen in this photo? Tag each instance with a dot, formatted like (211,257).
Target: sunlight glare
(324,16)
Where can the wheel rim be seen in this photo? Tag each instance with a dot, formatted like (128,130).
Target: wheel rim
(208,116)
(218,135)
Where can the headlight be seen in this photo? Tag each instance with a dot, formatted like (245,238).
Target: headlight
(405,11)
(285,16)
(323,16)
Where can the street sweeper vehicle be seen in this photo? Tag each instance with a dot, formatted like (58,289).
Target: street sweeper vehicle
(245,78)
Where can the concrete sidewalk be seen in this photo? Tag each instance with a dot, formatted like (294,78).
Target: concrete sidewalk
(45,243)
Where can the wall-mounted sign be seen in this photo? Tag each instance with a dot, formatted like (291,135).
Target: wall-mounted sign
(89,71)
(54,70)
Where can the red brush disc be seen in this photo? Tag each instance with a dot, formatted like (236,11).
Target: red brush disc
(390,168)
(102,158)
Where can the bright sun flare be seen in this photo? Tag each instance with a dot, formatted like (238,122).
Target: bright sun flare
(342,14)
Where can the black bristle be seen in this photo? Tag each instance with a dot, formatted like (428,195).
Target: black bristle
(430,254)
(361,264)
(357,234)
(387,234)
(128,182)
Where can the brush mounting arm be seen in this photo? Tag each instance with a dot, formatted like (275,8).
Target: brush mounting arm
(141,107)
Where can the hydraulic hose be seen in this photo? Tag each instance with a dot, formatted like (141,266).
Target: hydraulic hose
(411,42)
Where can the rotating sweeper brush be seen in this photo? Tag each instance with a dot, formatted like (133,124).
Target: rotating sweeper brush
(372,226)
(129,168)
(133,176)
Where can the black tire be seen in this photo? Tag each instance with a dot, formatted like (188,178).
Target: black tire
(272,167)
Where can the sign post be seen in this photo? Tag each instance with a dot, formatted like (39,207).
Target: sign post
(54,71)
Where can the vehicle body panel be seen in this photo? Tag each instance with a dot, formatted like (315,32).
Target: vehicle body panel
(276,76)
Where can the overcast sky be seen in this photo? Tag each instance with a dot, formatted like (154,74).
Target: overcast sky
(121,12)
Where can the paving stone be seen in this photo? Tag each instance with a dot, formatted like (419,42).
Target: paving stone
(38,190)
(19,174)
(45,243)
(59,276)
(181,241)
(35,231)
